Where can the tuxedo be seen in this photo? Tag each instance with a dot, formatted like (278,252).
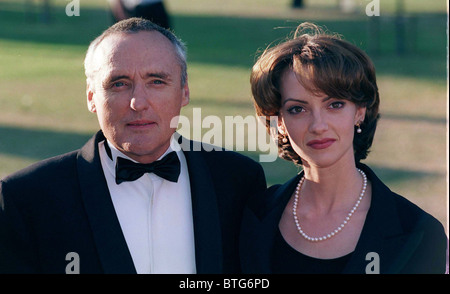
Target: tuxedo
(406,238)
(62,205)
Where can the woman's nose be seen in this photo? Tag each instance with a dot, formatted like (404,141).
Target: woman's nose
(318,124)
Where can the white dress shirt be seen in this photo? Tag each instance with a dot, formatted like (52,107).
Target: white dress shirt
(155,216)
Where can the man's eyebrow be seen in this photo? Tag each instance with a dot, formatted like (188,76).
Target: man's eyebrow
(112,78)
(161,75)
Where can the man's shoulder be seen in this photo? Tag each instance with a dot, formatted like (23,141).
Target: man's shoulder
(41,178)
(44,170)
(228,157)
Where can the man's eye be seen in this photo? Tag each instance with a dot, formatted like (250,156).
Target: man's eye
(118,84)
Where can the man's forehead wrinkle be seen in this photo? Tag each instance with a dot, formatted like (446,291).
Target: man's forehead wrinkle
(111,58)
(100,56)
(105,56)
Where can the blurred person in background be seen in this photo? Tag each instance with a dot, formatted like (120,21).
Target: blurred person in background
(336,215)
(153,10)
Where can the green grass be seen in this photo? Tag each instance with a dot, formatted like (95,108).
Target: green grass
(42,84)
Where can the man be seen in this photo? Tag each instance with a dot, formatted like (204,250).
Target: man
(93,211)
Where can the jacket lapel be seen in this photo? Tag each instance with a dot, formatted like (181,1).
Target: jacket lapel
(207,229)
(111,245)
(258,236)
(383,233)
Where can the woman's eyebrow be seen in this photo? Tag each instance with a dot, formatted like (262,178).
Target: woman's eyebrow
(324,99)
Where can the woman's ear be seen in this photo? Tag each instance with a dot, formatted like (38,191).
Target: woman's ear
(280,126)
(360,115)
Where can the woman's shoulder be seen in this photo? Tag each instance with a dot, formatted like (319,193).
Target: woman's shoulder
(434,241)
(414,217)
(411,216)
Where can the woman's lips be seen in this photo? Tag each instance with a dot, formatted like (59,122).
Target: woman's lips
(321,144)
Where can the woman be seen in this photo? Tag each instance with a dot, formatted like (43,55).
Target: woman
(336,216)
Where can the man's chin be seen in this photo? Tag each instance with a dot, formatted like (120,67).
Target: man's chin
(146,153)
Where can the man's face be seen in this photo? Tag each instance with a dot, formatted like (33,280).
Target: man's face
(136,92)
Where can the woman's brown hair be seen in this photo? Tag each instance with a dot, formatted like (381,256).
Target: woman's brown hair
(323,63)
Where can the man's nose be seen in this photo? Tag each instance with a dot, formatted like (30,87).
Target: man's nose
(139,100)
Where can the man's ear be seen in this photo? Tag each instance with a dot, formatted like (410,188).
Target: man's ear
(185,95)
(90,96)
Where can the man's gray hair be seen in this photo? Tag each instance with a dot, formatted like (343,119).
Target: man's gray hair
(132,26)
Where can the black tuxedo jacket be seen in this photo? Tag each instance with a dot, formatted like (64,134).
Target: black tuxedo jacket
(63,205)
(406,238)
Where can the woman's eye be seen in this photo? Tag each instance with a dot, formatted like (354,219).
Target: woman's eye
(337,104)
(295,109)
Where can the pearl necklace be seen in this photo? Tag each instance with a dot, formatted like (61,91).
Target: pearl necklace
(339,228)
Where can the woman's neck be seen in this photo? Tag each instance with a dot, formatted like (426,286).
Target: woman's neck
(330,188)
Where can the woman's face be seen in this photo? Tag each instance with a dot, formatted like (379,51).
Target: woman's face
(320,128)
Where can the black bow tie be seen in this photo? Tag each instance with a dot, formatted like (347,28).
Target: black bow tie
(168,168)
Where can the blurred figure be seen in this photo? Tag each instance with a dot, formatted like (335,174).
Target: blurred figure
(152,10)
(297,3)
(347,6)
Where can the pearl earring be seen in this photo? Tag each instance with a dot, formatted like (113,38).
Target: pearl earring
(282,131)
(358,130)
